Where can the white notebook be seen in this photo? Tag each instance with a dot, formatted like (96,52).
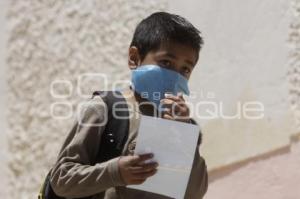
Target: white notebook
(174,145)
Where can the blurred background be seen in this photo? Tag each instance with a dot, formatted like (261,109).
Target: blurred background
(251,53)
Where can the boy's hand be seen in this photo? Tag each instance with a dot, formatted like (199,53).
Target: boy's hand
(133,169)
(175,108)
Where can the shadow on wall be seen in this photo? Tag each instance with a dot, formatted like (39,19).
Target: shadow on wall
(273,175)
(219,173)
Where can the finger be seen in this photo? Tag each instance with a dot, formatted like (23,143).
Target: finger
(180,95)
(133,159)
(182,110)
(145,156)
(143,165)
(138,181)
(144,168)
(147,162)
(167,101)
(170,103)
(172,97)
(172,107)
(145,175)
(140,158)
(167,111)
(175,98)
(167,116)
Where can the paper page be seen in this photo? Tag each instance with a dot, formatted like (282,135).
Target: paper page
(174,145)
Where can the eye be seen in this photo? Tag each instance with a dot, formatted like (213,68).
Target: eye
(186,70)
(165,63)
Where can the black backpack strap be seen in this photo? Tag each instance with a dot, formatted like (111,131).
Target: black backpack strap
(46,191)
(116,130)
(200,132)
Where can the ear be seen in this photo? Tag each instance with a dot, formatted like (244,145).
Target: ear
(134,58)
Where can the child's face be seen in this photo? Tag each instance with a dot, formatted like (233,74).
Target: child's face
(173,56)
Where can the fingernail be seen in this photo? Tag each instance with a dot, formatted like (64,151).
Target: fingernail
(168,94)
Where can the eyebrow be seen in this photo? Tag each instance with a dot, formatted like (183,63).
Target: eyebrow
(174,57)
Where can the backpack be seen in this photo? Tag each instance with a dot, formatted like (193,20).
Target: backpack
(116,129)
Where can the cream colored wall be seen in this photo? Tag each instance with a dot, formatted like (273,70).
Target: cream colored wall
(246,58)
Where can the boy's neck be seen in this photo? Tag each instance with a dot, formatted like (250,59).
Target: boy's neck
(145,108)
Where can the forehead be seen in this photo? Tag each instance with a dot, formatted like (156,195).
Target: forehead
(180,51)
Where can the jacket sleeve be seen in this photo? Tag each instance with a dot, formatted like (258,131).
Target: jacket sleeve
(73,175)
(198,182)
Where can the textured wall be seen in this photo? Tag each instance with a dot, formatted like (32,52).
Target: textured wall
(294,70)
(3,138)
(59,40)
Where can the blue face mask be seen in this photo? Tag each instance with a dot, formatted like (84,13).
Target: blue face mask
(152,82)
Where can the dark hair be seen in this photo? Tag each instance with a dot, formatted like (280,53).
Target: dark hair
(161,27)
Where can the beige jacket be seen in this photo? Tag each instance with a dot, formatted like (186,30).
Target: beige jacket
(73,177)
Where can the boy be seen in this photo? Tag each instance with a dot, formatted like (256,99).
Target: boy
(163,46)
